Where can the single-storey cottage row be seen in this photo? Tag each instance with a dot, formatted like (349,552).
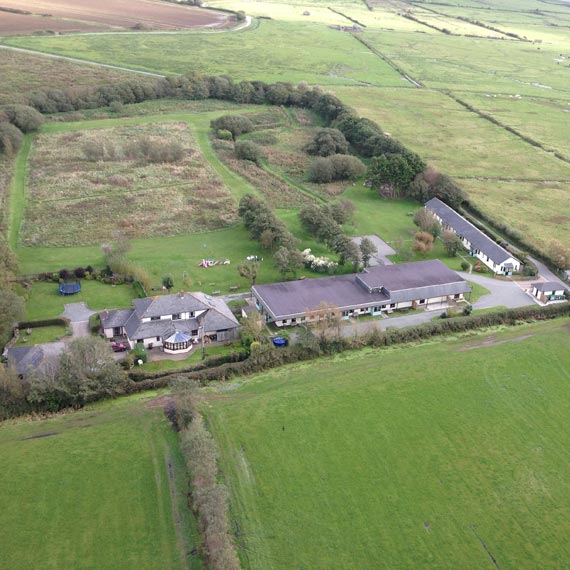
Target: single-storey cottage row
(479,245)
(174,322)
(548,291)
(381,288)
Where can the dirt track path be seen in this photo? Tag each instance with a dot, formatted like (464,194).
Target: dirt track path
(84,61)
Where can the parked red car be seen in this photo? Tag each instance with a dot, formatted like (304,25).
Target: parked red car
(118,346)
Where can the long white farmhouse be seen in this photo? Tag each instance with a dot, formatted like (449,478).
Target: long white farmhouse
(479,245)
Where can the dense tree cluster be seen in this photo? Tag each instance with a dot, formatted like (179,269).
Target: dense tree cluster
(235,124)
(324,223)
(336,167)
(327,142)
(15,121)
(85,372)
(260,220)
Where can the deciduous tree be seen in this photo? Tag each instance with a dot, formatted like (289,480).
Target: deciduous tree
(367,250)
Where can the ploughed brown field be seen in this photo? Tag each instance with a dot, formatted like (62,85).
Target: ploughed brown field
(86,15)
(25,24)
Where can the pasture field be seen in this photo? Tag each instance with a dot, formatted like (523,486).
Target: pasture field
(127,14)
(24,73)
(101,488)
(370,460)
(274,51)
(546,121)
(515,182)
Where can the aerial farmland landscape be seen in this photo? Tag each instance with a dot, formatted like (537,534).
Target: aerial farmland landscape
(284,285)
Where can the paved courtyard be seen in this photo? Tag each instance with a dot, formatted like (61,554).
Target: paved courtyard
(384,250)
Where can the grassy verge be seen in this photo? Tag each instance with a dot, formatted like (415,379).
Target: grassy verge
(477,291)
(17,199)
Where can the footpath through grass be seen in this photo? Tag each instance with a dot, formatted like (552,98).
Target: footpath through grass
(103,488)
(429,456)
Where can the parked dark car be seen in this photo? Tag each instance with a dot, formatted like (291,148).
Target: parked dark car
(119,346)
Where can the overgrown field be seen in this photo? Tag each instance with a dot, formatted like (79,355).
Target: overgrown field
(103,488)
(406,67)
(84,185)
(24,73)
(442,458)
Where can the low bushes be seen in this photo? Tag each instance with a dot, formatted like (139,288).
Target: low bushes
(209,496)
(58,321)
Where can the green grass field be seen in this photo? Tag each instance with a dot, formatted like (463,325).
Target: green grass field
(377,460)
(274,51)
(102,488)
(45,302)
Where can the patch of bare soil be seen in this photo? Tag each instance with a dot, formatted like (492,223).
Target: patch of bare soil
(48,434)
(491,341)
(127,14)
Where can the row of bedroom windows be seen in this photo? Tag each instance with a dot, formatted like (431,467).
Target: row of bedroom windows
(175,317)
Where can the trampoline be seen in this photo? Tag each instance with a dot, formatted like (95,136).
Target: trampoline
(69,288)
(279,342)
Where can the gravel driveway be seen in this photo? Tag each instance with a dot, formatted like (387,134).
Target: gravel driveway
(78,314)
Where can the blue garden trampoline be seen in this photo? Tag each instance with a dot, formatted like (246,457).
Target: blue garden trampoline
(279,342)
(69,288)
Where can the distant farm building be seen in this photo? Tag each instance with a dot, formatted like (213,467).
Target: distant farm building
(479,245)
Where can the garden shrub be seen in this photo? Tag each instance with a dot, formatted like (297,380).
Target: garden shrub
(247,150)
(11,139)
(224,135)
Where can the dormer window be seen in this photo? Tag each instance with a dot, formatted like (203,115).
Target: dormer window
(176,317)
(191,313)
(155,318)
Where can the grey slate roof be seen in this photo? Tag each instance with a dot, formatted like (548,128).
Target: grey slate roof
(466,229)
(24,357)
(116,318)
(547,286)
(34,357)
(217,316)
(379,285)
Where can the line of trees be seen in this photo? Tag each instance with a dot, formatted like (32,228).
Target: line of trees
(209,496)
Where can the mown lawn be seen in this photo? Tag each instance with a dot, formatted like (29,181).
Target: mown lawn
(103,488)
(376,460)
(45,302)
(40,335)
